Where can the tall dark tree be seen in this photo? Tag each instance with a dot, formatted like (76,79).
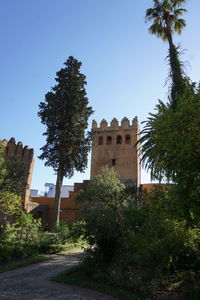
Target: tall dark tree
(65,112)
(165,16)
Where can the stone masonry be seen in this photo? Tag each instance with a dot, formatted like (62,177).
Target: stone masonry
(115,146)
(25,155)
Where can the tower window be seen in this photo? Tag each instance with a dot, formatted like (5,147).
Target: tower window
(128,139)
(109,140)
(119,139)
(113,162)
(100,140)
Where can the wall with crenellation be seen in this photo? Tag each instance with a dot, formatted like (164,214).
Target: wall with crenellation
(26,156)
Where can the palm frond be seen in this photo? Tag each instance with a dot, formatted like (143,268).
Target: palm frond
(179,11)
(165,19)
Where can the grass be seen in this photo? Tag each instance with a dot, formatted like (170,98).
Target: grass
(73,247)
(75,276)
(23,262)
(179,290)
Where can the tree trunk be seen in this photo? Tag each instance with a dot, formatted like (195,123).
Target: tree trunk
(175,72)
(59,181)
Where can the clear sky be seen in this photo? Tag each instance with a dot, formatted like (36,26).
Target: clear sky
(125,66)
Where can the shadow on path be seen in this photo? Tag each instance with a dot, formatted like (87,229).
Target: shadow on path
(33,282)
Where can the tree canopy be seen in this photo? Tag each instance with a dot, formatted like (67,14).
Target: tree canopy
(65,112)
(165,17)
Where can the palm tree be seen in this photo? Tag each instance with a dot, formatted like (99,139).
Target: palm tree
(165,16)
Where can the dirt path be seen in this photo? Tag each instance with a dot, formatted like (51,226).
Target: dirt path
(33,282)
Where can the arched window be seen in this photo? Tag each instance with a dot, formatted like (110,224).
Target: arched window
(109,140)
(100,140)
(128,139)
(119,139)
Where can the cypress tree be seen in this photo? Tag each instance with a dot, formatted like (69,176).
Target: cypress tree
(65,112)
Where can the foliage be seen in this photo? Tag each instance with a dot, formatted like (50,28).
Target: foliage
(17,263)
(169,137)
(60,233)
(65,112)
(165,16)
(20,239)
(167,145)
(2,162)
(26,229)
(14,178)
(102,202)
(104,190)
(146,249)
(25,237)
(140,249)
(12,173)
(192,286)
(77,277)
(12,181)
(63,233)
(10,204)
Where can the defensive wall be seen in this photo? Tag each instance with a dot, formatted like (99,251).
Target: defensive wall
(26,156)
(115,145)
(70,209)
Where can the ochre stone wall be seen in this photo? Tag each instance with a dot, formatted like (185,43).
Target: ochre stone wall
(148,188)
(70,209)
(115,146)
(25,155)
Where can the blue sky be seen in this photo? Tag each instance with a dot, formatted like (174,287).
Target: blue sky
(125,66)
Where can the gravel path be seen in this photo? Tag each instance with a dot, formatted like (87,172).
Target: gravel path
(33,282)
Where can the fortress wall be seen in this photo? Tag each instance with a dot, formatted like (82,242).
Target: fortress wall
(70,209)
(25,155)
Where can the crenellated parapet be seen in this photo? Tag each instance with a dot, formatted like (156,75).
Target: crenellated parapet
(115,124)
(23,153)
(104,124)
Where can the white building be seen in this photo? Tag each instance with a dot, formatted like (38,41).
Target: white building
(50,190)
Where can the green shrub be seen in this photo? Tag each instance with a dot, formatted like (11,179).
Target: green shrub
(142,248)
(60,233)
(20,239)
(6,252)
(25,230)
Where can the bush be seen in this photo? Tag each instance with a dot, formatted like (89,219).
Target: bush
(25,230)
(20,239)
(140,247)
(26,238)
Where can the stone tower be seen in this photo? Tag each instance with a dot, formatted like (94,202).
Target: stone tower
(26,156)
(115,146)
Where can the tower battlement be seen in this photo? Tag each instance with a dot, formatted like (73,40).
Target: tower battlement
(23,153)
(26,156)
(115,124)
